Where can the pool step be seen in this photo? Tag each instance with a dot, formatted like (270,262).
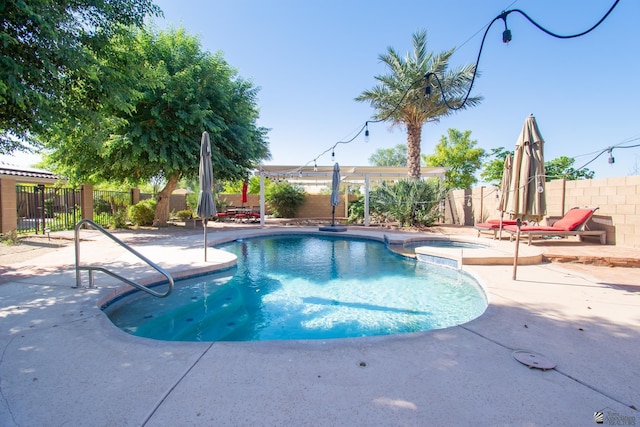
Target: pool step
(457,257)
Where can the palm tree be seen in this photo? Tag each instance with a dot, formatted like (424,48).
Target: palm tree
(400,97)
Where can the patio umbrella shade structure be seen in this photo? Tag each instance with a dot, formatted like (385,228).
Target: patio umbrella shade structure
(505,189)
(335,199)
(526,198)
(245,190)
(206,206)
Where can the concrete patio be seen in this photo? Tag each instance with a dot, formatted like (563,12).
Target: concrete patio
(62,362)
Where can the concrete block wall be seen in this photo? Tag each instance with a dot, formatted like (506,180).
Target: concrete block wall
(617,200)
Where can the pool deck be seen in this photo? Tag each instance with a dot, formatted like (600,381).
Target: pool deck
(62,362)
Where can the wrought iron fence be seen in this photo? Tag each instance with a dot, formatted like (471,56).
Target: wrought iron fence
(42,209)
(110,207)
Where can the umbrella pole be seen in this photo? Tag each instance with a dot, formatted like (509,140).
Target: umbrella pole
(204,226)
(333,215)
(515,256)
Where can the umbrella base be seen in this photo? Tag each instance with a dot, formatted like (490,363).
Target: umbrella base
(334,228)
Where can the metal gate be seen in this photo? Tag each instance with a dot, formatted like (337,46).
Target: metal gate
(42,209)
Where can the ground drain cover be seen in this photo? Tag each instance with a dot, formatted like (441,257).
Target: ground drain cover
(533,360)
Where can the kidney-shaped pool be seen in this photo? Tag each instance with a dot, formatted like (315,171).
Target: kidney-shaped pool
(287,287)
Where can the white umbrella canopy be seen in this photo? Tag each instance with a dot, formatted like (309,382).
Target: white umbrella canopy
(206,205)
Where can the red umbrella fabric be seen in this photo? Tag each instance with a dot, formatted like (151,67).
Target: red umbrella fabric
(245,188)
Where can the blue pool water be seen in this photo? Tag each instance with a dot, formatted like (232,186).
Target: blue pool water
(305,287)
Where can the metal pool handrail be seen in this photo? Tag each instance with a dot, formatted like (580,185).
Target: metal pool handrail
(92,268)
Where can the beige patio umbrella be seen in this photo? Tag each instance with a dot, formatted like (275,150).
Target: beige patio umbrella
(526,200)
(505,189)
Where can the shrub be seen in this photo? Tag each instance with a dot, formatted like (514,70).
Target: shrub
(184,214)
(285,199)
(356,211)
(142,213)
(411,202)
(119,219)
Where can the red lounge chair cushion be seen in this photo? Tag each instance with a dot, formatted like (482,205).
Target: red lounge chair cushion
(488,225)
(572,219)
(497,222)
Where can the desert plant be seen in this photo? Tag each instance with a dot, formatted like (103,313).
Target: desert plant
(411,202)
(142,213)
(285,199)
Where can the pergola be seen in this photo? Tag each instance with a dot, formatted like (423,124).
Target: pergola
(349,175)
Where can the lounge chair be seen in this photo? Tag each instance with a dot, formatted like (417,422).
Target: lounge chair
(492,225)
(573,223)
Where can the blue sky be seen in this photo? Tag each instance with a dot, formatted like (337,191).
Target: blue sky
(310,59)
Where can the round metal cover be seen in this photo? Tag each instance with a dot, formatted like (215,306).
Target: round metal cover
(533,359)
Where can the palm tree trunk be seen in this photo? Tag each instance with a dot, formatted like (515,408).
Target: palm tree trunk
(164,196)
(414,136)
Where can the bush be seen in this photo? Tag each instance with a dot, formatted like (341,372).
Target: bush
(142,213)
(411,202)
(184,214)
(285,199)
(356,211)
(119,219)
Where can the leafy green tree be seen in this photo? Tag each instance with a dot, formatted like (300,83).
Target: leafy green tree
(493,168)
(183,92)
(391,157)
(558,168)
(284,199)
(458,154)
(411,202)
(49,51)
(562,168)
(402,101)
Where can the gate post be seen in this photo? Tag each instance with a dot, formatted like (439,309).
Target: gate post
(86,201)
(8,205)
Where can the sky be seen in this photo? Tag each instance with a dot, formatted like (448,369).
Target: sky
(310,59)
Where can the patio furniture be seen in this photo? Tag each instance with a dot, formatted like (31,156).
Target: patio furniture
(573,223)
(492,225)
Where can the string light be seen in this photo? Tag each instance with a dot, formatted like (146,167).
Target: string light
(506,38)
(611,160)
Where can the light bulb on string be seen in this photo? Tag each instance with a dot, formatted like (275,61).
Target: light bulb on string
(315,166)
(333,156)
(540,186)
(366,132)
(469,201)
(611,159)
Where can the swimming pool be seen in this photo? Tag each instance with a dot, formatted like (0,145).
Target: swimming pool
(305,287)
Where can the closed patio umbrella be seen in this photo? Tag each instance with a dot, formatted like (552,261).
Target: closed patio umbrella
(526,199)
(335,191)
(206,206)
(245,189)
(335,199)
(504,189)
